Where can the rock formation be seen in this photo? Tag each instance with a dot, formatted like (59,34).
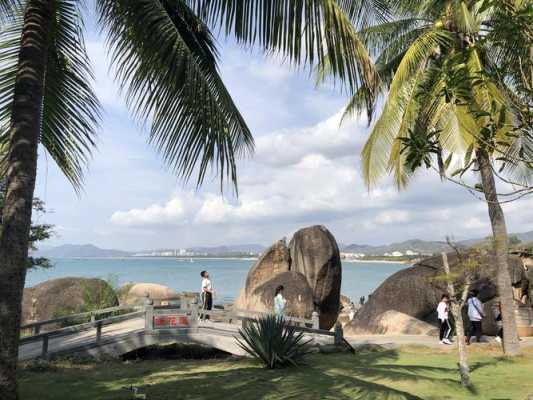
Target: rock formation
(272,262)
(58,297)
(393,322)
(309,269)
(315,254)
(415,291)
(135,294)
(297,292)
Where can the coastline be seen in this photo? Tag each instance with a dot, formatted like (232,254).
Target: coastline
(378,261)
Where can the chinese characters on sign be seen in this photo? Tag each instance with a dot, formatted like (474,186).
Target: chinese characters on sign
(171,321)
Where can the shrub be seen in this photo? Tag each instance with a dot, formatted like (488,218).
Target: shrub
(273,341)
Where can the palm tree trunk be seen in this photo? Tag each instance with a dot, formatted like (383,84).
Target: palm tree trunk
(511,345)
(22,170)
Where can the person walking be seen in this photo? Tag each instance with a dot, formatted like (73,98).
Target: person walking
(206,294)
(279,302)
(443,313)
(475,315)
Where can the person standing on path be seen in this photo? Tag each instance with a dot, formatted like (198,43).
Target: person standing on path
(475,315)
(443,312)
(279,302)
(206,294)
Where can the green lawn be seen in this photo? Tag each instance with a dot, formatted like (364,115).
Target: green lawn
(412,373)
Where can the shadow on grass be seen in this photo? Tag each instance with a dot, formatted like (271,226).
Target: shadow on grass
(369,375)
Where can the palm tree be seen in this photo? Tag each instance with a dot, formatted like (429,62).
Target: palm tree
(445,96)
(165,61)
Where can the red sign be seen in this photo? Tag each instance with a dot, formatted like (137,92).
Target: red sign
(171,321)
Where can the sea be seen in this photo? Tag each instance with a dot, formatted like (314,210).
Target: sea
(228,275)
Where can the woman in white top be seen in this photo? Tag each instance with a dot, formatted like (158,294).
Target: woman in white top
(476,313)
(206,294)
(279,302)
(443,314)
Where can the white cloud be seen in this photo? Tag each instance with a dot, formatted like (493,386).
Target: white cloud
(329,138)
(474,223)
(173,212)
(315,178)
(392,217)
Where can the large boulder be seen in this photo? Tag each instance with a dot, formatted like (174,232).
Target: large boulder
(315,254)
(416,291)
(135,294)
(395,323)
(310,270)
(59,297)
(272,262)
(297,293)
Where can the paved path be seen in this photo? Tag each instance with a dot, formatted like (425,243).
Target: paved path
(123,337)
(395,341)
(129,335)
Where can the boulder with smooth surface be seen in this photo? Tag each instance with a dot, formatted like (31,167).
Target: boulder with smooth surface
(275,260)
(416,291)
(394,323)
(137,293)
(315,254)
(59,297)
(296,291)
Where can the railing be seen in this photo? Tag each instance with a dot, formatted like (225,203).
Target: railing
(99,324)
(36,327)
(194,314)
(179,320)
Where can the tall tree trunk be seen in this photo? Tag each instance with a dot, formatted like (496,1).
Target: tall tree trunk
(21,173)
(511,345)
(457,304)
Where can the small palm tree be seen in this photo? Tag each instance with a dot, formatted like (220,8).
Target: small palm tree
(445,96)
(271,340)
(165,61)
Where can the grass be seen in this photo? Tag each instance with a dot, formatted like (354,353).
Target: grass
(412,373)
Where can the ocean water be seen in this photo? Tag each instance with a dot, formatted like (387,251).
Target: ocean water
(228,275)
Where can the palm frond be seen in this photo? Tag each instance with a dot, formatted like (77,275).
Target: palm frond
(377,154)
(9,9)
(311,32)
(165,63)
(366,13)
(71,112)
(428,44)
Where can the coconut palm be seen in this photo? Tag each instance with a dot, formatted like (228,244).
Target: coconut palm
(444,96)
(165,62)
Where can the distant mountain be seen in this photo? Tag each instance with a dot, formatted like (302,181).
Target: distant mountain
(525,237)
(79,250)
(415,245)
(421,246)
(228,250)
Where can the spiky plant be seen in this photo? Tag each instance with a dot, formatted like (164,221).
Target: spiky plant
(271,340)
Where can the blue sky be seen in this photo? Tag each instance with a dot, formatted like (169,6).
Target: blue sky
(305,171)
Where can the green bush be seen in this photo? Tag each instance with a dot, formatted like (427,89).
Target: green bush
(273,341)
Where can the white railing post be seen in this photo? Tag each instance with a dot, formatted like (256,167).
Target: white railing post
(148,314)
(44,350)
(98,332)
(316,320)
(194,315)
(339,334)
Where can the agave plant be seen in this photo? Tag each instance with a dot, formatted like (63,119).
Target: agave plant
(273,341)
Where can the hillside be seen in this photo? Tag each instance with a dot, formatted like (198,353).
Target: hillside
(415,245)
(76,250)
